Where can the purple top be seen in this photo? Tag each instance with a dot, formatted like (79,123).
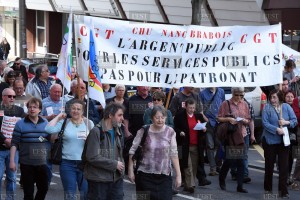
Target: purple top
(158,150)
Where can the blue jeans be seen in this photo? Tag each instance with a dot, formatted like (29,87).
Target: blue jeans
(10,175)
(106,191)
(72,177)
(246,171)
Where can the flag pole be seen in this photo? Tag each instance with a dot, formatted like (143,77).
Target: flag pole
(67,60)
(74,41)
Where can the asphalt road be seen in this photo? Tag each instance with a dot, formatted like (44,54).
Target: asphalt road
(211,192)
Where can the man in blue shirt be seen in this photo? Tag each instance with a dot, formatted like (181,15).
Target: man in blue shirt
(53,104)
(212,99)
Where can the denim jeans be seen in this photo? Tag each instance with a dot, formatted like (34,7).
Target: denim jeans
(233,170)
(72,177)
(105,191)
(10,175)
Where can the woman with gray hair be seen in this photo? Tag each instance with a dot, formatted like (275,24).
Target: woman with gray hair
(159,150)
(234,112)
(121,99)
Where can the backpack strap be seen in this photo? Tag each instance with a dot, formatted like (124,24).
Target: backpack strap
(229,107)
(145,134)
(100,130)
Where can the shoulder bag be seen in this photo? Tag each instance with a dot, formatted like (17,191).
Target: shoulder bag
(56,147)
(138,155)
(223,129)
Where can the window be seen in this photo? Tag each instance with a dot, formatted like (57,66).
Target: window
(291,38)
(40,29)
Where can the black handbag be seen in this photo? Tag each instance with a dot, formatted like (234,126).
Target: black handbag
(220,127)
(138,155)
(56,147)
(231,128)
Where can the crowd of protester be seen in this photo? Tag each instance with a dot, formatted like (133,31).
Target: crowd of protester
(94,137)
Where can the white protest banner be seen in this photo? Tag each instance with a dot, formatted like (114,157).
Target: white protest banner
(8,125)
(147,54)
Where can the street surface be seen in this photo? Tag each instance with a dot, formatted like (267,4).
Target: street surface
(211,192)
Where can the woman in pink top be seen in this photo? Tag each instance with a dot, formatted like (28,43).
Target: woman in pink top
(159,150)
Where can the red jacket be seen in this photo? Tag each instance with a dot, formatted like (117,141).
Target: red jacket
(296,109)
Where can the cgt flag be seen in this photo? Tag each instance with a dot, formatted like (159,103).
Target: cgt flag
(65,59)
(95,86)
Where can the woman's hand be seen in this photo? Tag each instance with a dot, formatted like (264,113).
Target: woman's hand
(232,120)
(283,122)
(61,116)
(245,121)
(182,134)
(252,138)
(280,131)
(178,181)
(131,175)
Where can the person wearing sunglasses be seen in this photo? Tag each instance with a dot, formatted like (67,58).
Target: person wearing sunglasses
(236,112)
(21,68)
(9,112)
(158,99)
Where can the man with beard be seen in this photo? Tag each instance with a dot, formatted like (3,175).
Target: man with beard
(102,156)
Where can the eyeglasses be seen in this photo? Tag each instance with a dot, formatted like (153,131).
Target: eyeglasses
(46,71)
(19,88)
(157,99)
(11,96)
(239,95)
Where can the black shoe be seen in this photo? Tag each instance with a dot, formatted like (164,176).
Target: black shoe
(222,184)
(241,190)
(285,196)
(247,179)
(204,182)
(290,181)
(174,191)
(189,189)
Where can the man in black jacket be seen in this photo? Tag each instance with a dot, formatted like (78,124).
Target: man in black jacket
(21,68)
